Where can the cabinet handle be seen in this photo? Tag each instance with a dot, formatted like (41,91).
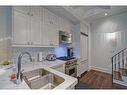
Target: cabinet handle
(51,22)
(31,14)
(28,13)
(32,43)
(28,43)
(51,44)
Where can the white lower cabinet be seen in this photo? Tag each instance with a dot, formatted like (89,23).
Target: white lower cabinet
(60,68)
(82,67)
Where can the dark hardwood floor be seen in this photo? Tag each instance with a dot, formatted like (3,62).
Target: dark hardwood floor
(99,80)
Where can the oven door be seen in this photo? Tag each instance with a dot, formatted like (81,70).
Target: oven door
(71,70)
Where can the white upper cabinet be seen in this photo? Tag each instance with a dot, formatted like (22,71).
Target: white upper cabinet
(20,28)
(26,26)
(64,25)
(35,25)
(50,29)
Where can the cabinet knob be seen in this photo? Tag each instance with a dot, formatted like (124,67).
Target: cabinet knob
(32,43)
(28,43)
(51,44)
(51,22)
(28,13)
(31,14)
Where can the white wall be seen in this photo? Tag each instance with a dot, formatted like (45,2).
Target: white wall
(101,48)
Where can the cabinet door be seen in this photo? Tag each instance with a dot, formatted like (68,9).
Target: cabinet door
(20,28)
(54,36)
(54,30)
(50,35)
(84,47)
(46,35)
(47,17)
(35,25)
(82,67)
(83,63)
(50,29)
(64,25)
(46,28)
(54,19)
(61,24)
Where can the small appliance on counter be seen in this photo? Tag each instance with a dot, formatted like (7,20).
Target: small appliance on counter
(70,52)
(51,57)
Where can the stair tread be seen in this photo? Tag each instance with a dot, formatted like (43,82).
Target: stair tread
(117,75)
(123,71)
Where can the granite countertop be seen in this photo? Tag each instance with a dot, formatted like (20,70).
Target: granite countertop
(5,82)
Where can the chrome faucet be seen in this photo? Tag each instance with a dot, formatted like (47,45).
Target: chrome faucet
(19,72)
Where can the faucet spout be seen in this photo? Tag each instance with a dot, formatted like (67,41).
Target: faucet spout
(19,71)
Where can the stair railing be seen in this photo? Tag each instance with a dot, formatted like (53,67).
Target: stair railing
(117,59)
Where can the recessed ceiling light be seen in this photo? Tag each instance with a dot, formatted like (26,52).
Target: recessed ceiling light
(106,14)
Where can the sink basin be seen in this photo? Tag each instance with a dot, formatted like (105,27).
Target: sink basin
(42,79)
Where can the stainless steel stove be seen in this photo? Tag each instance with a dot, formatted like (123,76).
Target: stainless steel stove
(70,66)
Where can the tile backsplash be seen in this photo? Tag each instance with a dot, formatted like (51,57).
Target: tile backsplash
(32,50)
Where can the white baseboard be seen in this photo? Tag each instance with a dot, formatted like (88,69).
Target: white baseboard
(99,69)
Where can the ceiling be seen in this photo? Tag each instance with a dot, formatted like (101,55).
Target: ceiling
(86,13)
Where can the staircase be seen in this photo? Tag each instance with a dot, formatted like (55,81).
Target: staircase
(119,68)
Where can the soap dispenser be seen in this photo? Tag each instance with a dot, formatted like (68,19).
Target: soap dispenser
(40,56)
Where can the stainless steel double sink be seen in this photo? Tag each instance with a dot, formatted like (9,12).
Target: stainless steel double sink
(42,79)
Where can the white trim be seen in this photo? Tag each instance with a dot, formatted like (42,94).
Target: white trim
(89,48)
(100,69)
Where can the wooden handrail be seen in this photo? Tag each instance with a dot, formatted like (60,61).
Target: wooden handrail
(119,52)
